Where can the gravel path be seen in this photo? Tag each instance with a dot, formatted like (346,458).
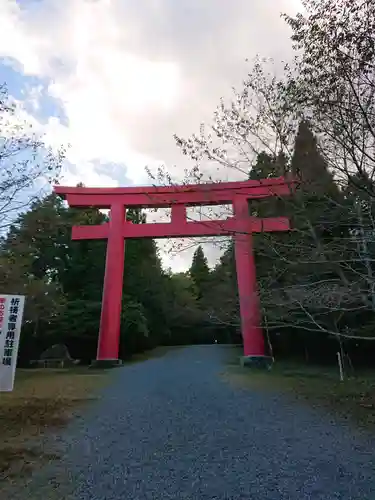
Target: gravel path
(171,428)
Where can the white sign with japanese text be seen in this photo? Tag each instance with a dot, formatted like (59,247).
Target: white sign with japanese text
(11,312)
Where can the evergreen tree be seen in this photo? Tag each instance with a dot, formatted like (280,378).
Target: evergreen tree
(185,317)
(63,281)
(267,166)
(200,272)
(309,165)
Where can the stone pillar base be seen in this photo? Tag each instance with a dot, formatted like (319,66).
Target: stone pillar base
(257,362)
(105,363)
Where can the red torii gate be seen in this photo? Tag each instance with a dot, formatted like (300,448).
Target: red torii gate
(240,226)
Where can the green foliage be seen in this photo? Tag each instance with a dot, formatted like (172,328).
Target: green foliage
(200,272)
(308,164)
(135,334)
(315,291)
(63,282)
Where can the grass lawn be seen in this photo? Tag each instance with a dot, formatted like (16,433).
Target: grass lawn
(42,399)
(353,399)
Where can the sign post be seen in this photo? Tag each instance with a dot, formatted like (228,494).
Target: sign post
(11,312)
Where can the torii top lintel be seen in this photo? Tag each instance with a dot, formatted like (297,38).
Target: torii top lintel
(178,198)
(188,195)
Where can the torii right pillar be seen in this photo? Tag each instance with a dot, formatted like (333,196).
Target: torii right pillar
(254,350)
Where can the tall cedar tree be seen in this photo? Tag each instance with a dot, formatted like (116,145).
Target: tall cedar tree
(200,272)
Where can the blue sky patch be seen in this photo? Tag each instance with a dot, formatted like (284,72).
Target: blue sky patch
(19,86)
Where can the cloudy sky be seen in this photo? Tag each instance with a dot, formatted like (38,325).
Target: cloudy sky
(117,78)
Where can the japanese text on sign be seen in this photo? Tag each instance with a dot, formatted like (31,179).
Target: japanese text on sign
(11,312)
(9,339)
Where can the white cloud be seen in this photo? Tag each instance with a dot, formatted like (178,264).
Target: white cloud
(130,73)
(88,176)
(101,85)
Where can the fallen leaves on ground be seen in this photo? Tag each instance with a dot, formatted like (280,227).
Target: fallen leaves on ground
(42,400)
(352,399)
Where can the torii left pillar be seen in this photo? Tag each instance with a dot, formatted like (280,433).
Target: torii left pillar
(110,320)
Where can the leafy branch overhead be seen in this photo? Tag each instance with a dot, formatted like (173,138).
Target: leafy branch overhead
(27,165)
(314,121)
